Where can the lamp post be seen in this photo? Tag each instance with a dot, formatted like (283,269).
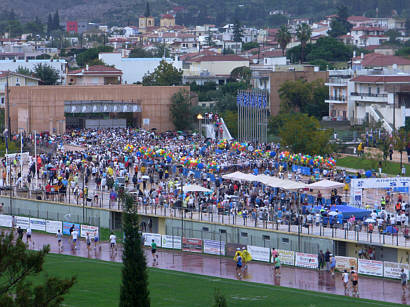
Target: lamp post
(200,118)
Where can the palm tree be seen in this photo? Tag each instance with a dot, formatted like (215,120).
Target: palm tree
(303,33)
(283,37)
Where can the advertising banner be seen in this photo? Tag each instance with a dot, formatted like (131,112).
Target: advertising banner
(148,237)
(345,263)
(214,247)
(286,257)
(393,269)
(370,267)
(92,230)
(22,222)
(306,260)
(6,220)
(259,253)
(232,247)
(192,245)
(38,224)
(54,226)
(68,225)
(171,242)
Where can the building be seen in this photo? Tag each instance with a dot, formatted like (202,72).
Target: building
(381,61)
(272,79)
(134,69)
(59,65)
(146,22)
(338,93)
(216,68)
(53,108)
(94,75)
(167,21)
(14,79)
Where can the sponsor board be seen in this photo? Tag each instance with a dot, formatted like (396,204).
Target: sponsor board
(92,230)
(38,224)
(345,263)
(306,260)
(192,245)
(370,267)
(6,220)
(214,247)
(22,222)
(68,225)
(286,257)
(259,253)
(148,237)
(54,226)
(393,269)
(231,248)
(171,242)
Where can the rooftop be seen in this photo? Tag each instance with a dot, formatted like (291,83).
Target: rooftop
(96,70)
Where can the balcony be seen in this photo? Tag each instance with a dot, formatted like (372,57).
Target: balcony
(368,97)
(337,82)
(336,99)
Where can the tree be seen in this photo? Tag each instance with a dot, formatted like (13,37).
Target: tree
(277,20)
(226,51)
(91,54)
(404,52)
(283,37)
(209,39)
(147,12)
(140,53)
(339,25)
(302,134)
(134,286)
(219,299)
(231,122)
(24,71)
(303,33)
(161,51)
(18,265)
(50,25)
(47,74)
(56,21)
(242,73)
(164,75)
(181,110)
(393,35)
(237,31)
(400,143)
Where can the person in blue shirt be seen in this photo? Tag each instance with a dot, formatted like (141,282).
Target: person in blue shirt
(239,265)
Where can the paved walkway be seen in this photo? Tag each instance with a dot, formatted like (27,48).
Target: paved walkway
(370,288)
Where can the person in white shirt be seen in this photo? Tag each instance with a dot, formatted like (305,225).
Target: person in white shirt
(345,279)
(28,236)
(74,235)
(113,241)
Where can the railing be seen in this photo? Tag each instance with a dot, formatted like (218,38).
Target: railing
(368,94)
(337,98)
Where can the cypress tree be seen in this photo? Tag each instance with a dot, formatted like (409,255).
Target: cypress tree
(56,21)
(134,286)
(147,12)
(50,25)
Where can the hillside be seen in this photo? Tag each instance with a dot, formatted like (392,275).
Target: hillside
(250,12)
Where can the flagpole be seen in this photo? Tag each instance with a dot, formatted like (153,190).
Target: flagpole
(35,157)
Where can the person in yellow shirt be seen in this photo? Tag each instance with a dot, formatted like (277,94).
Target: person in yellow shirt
(246,256)
(237,253)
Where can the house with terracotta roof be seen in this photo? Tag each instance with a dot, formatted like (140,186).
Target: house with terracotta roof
(363,36)
(167,20)
(94,75)
(372,60)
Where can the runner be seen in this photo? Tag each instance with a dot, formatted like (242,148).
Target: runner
(28,236)
(74,235)
(246,257)
(59,238)
(355,283)
(113,242)
(239,265)
(71,230)
(403,277)
(20,233)
(96,241)
(88,241)
(153,252)
(332,264)
(277,265)
(345,279)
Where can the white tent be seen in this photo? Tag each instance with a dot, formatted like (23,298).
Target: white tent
(195,188)
(325,185)
(234,176)
(285,184)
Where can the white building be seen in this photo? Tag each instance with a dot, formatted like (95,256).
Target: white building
(58,64)
(134,69)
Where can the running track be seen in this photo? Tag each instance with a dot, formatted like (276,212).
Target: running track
(370,288)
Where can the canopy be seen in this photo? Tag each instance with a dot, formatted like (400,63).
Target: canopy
(325,185)
(284,184)
(195,188)
(239,176)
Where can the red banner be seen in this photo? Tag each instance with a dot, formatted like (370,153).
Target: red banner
(192,245)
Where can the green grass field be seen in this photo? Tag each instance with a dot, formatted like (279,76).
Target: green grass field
(99,285)
(391,168)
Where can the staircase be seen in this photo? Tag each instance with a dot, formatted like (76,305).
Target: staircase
(377,116)
(208,129)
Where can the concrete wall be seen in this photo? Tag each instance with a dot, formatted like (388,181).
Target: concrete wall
(43,106)
(56,211)
(278,78)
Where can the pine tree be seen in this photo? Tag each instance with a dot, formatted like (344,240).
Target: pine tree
(56,21)
(134,287)
(147,12)
(50,26)
(237,31)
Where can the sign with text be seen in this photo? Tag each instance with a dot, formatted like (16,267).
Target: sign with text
(6,220)
(68,225)
(171,242)
(393,269)
(54,226)
(38,224)
(92,230)
(259,253)
(192,245)
(370,267)
(345,263)
(214,247)
(22,222)
(306,260)
(148,237)
(286,257)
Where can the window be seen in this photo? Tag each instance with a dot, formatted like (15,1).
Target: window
(244,234)
(2,100)
(370,90)
(265,237)
(205,229)
(378,90)
(285,240)
(222,230)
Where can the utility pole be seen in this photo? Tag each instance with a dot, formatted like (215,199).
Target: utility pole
(8,106)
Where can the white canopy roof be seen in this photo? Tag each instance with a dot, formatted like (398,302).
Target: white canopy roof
(239,176)
(195,188)
(325,185)
(271,181)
